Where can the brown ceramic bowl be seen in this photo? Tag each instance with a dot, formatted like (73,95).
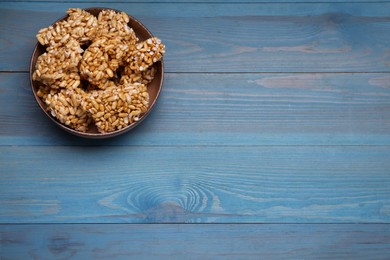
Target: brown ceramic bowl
(154,87)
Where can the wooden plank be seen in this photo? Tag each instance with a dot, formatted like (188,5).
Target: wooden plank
(233,109)
(238,37)
(265,184)
(215,1)
(360,241)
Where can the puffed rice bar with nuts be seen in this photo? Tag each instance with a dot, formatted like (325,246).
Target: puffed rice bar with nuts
(110,21)
(80,25)
(66,107)
(145,54)
(58,67)
(102,58)
(116,107)
(130,76)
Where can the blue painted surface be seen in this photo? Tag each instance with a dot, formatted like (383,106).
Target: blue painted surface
(271,139)
(194,241)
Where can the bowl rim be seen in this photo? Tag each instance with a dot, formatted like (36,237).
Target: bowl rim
(97,135)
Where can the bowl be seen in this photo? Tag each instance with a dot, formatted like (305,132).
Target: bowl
(154,87)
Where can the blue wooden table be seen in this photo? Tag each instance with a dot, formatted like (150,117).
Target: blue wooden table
(270,140)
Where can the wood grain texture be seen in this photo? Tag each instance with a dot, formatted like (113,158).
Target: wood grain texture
(228,109)
(283,184)
(238,37)
(214,1)
(271,139)
(195,241)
